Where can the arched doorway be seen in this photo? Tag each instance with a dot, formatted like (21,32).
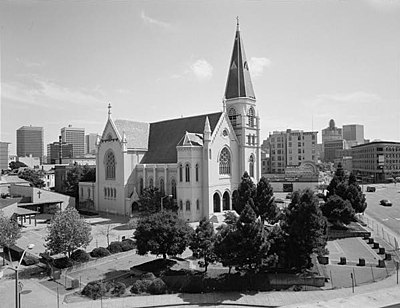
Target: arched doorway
(217,203)
(135,207)
(226,202)
(235,199)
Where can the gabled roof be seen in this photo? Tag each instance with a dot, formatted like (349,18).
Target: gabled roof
(137,133)
(239,81)
(165,136)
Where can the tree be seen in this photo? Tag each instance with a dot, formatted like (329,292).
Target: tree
(32,176)
(75,175)
(202,243)
(9,233)
(162,233)
(305,229)
(338,210)
(67,232)
(241,243)
(150,201)
(264,204)
(247,192)
(16,165)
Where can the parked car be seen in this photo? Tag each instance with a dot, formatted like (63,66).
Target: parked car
(371,189)
(386,202)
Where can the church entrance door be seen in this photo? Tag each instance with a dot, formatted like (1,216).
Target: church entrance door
(217,203)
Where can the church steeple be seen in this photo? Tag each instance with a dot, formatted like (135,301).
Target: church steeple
(239,81)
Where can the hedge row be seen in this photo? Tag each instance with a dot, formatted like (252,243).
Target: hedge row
(97,289)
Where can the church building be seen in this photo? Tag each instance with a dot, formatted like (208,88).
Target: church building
(199,160)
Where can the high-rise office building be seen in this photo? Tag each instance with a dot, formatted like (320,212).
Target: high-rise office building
(90,143)
(53,152)
(30,141)
(291,148)
(76,137)
(353,134)
(3,155)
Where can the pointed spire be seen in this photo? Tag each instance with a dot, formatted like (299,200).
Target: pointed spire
(207,128)
(239,81)
(109,110)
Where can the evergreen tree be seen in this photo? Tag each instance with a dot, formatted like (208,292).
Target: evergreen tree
(247,192)
(305,229)
(162,233)
(202,243)
(264,204)
(338,210)
(150,201)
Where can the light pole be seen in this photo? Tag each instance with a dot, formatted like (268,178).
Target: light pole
(162,199)
(30,246)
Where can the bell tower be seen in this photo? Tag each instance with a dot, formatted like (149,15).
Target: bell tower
(240,103)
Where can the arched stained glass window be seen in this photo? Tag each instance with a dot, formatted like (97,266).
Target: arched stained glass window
(187,205)
(251,117)
(180,173)
(173,189)
(162,188)
(197,172)
(109,161)
(187,173)
(225,162)
(232,116)
(141,185)
(251,166)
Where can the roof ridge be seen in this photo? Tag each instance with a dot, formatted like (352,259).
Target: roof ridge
(189,117)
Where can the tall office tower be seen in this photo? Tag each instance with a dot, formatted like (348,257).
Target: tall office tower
(30,141)
(90,143)
(4,155)
(76,137)
(353,134)
(53,152)
(291,148)
(330,133)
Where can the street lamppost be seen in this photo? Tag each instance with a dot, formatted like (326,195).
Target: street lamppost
(17,304)
(162,199)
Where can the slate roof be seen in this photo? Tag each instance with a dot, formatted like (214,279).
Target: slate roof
(137,133)
(166,135)
(239,81)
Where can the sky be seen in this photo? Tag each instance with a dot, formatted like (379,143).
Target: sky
(63,62)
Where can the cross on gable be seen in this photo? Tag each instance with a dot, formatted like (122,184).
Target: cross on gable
(39,193)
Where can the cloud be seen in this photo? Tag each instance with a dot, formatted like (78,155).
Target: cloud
(357,97)
(257,66)
(384,5)
(202,69)
(36,91)
(154,22)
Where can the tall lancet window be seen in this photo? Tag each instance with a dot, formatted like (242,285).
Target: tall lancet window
(225,162)
(109,161)
(232,116)
(251,117)
(251,166)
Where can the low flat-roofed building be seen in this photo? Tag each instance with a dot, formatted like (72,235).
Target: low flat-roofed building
(377,161)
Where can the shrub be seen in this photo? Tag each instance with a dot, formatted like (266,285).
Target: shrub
(63,262)
(100,252)
(115,247)
(157,286)
(127,244)
(148,276)
(119,289)
(140,286)
(80,255)
(94,290)
(30,260)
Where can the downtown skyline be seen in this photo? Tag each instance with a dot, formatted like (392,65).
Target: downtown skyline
(310,61)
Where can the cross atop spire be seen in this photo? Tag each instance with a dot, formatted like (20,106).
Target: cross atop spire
(109,109)
(239,81)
